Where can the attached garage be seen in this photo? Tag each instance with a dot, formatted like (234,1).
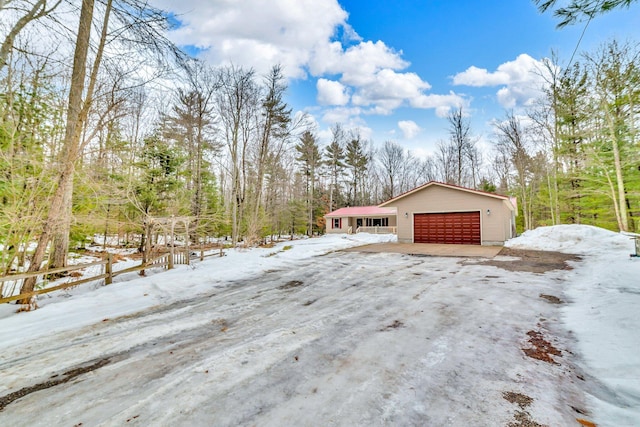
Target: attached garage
(461,228)
(449,214)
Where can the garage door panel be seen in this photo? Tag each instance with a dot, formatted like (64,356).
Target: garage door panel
(448,228)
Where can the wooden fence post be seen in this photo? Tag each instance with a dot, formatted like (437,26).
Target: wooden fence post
(108,270)
(187,238)
(172,249)
(201,254)
(147,245)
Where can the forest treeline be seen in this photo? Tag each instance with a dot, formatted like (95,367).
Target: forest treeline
(104,123)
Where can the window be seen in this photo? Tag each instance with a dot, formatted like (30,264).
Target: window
(337,222)
(377,222)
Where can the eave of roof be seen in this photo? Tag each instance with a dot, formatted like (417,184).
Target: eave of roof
(362,211)
(442,184)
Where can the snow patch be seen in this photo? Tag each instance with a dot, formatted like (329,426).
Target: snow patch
(604,297)
(575,239)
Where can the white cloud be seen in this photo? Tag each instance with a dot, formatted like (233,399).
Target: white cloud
(256,33)
(359,64)
(484,146)
(409,128)
(519,70)
(374,73)
(441,103)
(521,80)
(305,120)
(388,89)
(421,153)
(341,115)
(301,36)
(475,76)
(332,93)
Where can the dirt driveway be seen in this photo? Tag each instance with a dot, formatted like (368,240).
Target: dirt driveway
(429,249)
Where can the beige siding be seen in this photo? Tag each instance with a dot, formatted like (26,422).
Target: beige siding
(495,226)
(344,229)
(352,221)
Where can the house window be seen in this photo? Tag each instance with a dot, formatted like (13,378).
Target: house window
(337,222)
(377,222)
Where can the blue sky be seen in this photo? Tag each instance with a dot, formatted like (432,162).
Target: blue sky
(393,69)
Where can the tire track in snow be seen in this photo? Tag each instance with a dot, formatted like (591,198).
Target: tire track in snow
(253,352)
(121,336)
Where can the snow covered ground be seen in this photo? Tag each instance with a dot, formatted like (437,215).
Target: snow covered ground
(301,334)
(603,313)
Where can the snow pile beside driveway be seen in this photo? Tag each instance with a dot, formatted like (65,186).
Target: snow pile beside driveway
(574,239)
(603,313)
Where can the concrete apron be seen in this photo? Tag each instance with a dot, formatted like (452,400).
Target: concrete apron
(430,249)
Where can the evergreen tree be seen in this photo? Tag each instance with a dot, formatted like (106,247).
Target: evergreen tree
(159,190)
(334,160)
(572,118)
(357,162)
(578,10)
(309,156)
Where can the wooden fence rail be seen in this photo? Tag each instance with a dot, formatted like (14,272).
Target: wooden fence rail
(108,275)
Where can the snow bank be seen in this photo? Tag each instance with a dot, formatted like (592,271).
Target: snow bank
(604,296)
(576,239)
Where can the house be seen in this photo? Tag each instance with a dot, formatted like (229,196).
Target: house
(368,219)
(434,213)
(443,213)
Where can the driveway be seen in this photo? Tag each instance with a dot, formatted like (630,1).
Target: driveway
(346,339)
(429,249)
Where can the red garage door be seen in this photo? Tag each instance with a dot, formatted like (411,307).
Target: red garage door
(461,228)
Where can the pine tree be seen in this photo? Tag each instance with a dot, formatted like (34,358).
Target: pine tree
(309,157)
(334,160)
(357,162)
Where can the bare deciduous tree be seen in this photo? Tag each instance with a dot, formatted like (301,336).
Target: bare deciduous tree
(512,142)
(236,102)
(392,159)
(30,13)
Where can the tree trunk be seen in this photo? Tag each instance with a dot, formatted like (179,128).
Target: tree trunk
(235,187)
(70,148)
(622,198)
(61,234)
(60,247)
(311,197)
(617,163)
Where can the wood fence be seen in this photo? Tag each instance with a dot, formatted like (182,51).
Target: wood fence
(163,260)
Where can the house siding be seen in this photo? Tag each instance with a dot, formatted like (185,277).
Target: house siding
(343,229)
(352,221)
(494,228)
